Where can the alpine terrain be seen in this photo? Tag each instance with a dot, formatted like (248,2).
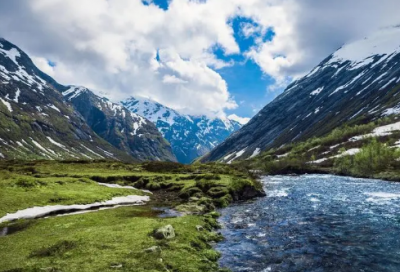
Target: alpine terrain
(357,84)
(37,122)
(190,136)
(125,130)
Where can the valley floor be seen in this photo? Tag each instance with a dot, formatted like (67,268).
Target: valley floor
(118,239)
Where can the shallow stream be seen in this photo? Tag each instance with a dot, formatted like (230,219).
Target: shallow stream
(315,223)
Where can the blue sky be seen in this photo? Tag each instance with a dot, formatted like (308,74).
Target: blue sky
(246,82)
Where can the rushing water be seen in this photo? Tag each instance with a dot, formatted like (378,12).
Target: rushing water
(315,223)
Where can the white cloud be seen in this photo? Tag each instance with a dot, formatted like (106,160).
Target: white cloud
(308,31)
(171,79)
(111,46)
(43,65)
(241,120)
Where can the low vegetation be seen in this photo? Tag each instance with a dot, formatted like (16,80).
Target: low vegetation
(119,239)
(376,157)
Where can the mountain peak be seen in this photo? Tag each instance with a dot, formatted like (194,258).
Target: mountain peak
(190,136)
(381,43)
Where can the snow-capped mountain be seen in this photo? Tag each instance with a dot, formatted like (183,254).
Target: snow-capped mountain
(37,122)
(190,136)
(356,84)
(125,130)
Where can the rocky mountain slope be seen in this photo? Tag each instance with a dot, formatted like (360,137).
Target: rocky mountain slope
(190,136)
(123,129)
(356,84)
(37,122)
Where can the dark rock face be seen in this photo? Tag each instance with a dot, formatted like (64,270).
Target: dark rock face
(125,130)
(356,84)
(190,136)
(36,122)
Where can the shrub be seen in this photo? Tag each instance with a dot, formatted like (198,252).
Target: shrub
(164,167)
(373,158)
(29,183)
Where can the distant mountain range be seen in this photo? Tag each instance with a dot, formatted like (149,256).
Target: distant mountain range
(125,130)
(190,136)
(358,83)
(42,119)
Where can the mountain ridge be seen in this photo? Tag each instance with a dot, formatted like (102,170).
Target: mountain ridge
(355,84)
(125,130)
(36,122)
(39,123)
(190,136)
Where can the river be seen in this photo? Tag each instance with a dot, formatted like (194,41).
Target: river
(315,223)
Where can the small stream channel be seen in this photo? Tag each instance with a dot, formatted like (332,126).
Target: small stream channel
(315,223)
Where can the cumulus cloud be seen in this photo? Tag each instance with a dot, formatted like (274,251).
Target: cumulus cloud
(124,47)
(240,120)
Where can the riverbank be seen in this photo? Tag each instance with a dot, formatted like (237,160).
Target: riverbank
(388,175)
(121,239)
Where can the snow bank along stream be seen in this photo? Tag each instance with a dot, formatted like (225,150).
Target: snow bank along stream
(38,212)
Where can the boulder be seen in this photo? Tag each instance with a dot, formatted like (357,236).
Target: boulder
(166,232)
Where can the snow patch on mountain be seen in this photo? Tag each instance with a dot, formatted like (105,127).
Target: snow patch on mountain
(7,104)
(73,92)
(12,54)
(360,53)
(190,136)
(9,58)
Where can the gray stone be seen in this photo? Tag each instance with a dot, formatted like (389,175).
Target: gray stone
(166,232)
(153,249)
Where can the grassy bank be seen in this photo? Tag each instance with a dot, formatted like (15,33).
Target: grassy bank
(117,239)
(357,151)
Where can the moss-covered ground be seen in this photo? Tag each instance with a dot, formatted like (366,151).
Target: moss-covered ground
(116,239)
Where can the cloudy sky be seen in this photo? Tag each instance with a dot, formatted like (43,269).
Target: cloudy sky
(214,57)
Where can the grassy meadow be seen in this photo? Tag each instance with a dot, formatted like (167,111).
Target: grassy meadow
(118,239)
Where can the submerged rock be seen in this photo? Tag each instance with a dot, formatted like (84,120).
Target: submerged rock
(166,232)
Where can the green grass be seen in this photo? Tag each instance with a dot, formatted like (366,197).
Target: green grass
(114,239)
(20,192)
(105,239)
